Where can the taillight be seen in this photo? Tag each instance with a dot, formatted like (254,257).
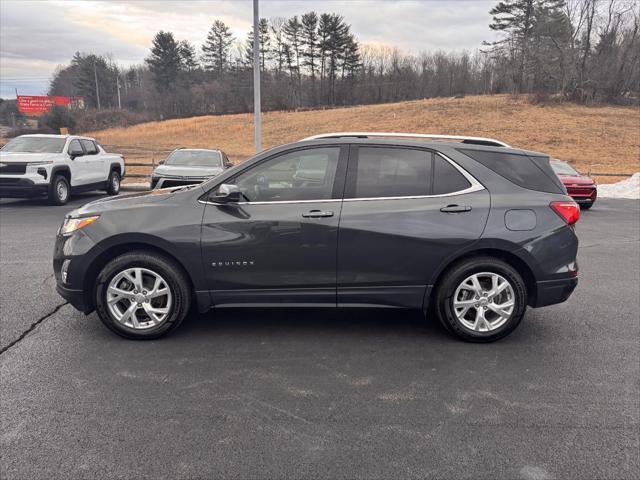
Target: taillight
(568,211)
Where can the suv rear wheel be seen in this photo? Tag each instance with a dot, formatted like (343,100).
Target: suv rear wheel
(113,183)
(481,299)
(142,296)
(59,190)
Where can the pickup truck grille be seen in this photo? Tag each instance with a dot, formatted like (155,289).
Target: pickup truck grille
(12,168)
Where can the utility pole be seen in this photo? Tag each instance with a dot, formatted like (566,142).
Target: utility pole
(118,88)
(95,75)
(256,76)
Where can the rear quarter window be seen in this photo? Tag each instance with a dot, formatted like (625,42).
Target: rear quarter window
(447,178)
(533,173)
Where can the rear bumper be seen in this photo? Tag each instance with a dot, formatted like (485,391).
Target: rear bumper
(550,292)
(583,195)
(16,187)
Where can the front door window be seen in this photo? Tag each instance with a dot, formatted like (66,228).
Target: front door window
(301,175)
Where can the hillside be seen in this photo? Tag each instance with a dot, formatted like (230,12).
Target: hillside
(605,139)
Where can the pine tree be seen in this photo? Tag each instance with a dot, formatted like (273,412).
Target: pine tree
(309,39)
(515,18)
(188,58)
(164,61)
(292,30)
(265,44)
(216,48)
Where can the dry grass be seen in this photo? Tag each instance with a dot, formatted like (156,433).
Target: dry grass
(605,139)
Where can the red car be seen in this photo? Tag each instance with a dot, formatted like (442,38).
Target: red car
(581,187)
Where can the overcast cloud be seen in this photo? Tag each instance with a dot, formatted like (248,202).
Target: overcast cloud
(37,36)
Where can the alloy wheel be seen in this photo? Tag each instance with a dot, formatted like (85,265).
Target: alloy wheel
(139,298)
(484,301)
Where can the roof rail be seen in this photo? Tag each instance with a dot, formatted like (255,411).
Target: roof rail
(462,138)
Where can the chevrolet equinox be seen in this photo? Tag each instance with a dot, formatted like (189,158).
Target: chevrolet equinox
(465,227)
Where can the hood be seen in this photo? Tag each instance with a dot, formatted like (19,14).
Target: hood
(188,171)
(19,157)
(570,180)
(125,201)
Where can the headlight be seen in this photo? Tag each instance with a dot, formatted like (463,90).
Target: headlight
(70,225)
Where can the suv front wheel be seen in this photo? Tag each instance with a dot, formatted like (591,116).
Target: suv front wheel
(481,299)
(142,296)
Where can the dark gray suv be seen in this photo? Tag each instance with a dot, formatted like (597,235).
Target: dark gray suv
(468,228)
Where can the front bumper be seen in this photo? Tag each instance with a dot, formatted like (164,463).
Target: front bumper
(166,182)
(551,292)
(14,186)
(75,297)
(74,249)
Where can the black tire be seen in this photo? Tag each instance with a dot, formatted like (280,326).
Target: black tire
(456,275)
(59,190)
(586,206)
(113,183)
(176,280)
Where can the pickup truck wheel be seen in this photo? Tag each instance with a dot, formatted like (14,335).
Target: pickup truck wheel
(113,184)
(59,190)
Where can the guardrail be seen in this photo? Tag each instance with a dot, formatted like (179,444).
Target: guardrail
(138,175)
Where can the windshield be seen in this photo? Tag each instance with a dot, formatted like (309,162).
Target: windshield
(195,158)
(35,145)
(562,168)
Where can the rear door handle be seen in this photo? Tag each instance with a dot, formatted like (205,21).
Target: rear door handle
(317,214)
(456,209)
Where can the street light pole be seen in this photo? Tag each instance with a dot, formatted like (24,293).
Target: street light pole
(256,76)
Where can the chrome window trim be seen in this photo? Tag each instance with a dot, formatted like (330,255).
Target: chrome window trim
(476,186)
(273,202)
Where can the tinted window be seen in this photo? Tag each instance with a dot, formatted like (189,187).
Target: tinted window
(533,173)
(74,146)
(392,172)
(447,178)
(89,146)
(301,175)
(35,145)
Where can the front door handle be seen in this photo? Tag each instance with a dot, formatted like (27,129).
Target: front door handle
(456,209)
(317,214)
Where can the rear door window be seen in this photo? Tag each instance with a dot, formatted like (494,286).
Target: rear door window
(533,173)
(391,172)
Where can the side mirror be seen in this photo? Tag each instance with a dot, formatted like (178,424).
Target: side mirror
(161,162)
(226,193)
(228,164)
(75,152)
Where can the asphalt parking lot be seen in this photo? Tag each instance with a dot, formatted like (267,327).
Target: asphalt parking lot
(326,394)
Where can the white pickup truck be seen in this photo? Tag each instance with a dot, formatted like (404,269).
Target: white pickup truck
(56,166)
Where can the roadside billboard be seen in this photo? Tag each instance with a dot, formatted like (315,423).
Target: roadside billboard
(35,105)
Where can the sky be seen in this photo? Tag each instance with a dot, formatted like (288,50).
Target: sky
(36,36)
